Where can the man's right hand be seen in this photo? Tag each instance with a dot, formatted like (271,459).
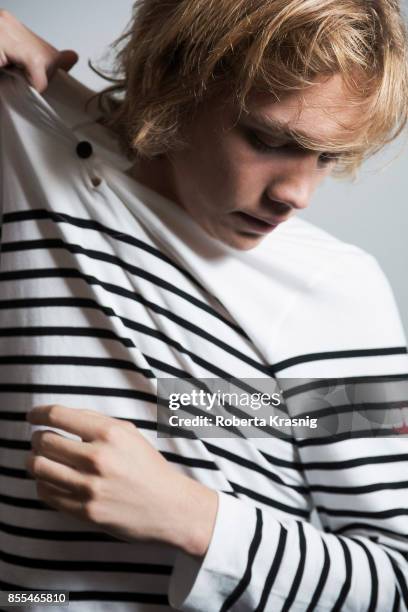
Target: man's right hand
(20,47)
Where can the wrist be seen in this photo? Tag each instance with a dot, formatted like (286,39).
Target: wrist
(196,511)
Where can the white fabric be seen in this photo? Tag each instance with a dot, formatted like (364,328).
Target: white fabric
(119,274)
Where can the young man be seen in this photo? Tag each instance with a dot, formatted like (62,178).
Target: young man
(118,270)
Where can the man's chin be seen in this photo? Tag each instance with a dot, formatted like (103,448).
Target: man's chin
(242,241)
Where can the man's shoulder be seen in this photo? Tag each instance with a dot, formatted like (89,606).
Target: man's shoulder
(314,253)
(309,237)
(342,291)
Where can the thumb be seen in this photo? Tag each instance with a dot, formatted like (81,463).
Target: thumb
(66,60)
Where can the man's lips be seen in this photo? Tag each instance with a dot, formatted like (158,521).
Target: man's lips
(257,225)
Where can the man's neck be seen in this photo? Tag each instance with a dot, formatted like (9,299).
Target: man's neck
(156,175)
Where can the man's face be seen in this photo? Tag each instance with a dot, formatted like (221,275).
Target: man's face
(240,178)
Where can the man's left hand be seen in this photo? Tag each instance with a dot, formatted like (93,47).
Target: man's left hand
(113,477)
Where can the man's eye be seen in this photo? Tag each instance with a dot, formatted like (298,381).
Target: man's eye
(328,158)
(260,145)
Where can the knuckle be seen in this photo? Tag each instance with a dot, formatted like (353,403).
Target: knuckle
(96,459)
(92,511)
(128,425)
(112,433)
(37,62)
(92,489)
(36,463)
(4,14)
(53,413)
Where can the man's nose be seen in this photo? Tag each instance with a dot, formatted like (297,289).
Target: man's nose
(295,185)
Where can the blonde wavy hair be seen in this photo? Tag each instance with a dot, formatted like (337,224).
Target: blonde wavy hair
(176,54)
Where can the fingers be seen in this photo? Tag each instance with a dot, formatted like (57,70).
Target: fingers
(56,447)
(60,500)
(66,479)
(83,423)
(40,71)
(21,47)
(67,59)
(36,75)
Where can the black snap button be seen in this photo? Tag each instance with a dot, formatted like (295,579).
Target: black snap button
(84,149)
(96,181)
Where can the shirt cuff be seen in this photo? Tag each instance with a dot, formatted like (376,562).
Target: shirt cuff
(202,584)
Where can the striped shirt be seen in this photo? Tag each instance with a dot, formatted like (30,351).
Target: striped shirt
(107,287)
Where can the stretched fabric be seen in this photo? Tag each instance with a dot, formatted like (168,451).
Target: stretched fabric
(107,287)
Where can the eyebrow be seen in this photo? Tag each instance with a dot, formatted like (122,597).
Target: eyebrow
(277,128)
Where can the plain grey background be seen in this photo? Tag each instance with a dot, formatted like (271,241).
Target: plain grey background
(372,213)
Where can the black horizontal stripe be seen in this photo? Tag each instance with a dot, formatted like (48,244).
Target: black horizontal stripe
(156,364)
(190,461)
(198,331)
(78,390)
(379,514)
(22,417)
(132,295)
(55,302)
(182,374)
(170,369)
(13,472)
(114,596)
(246,578)
(63,536)
(346,435)
(172,431)
(161,366)
(85,332)
(368,527)
(338,409)
(89,224)
(274,460)
(172,457)
(135,270)
(149,304)
(251,465)
(351,463)
(348,354)
(86,566)
(7,415)
(359,490)
(169,456)
(100,362)
(328,383)
(14,444)
(268,501)
(19,502)
(73,273)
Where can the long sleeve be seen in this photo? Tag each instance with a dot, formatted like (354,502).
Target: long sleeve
(358,560)
(256,562)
